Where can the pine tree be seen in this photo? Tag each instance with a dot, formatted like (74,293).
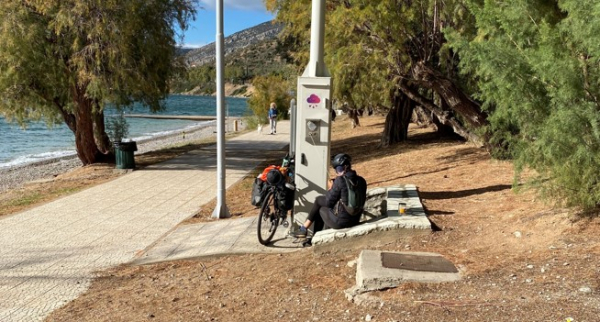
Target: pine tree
(538,71)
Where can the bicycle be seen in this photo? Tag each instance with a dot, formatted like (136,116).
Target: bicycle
(276,203)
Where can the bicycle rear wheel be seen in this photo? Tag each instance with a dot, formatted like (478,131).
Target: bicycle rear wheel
(268,220)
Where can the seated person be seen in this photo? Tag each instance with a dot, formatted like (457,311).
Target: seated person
(328,211)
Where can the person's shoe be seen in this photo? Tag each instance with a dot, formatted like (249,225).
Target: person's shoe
(307,243)
(301,233)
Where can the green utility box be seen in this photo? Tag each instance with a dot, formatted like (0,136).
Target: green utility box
(124,154)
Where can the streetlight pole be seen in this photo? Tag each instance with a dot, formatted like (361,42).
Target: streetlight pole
(316,65)
(221,210)
(313,121)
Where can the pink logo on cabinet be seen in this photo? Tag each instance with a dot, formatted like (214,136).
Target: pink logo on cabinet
(313,101)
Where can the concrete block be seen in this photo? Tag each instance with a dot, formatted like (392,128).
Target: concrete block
(384,200)
(319,238)
(375,192)
(386,225)
(371,275)
(340,234)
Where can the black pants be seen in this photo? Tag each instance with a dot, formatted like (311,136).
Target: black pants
(323,217)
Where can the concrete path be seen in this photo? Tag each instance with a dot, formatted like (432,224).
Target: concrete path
(224,237)
(238,236)
(49,254)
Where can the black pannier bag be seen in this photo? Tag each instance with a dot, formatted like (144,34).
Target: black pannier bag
(259,192)
(286,198)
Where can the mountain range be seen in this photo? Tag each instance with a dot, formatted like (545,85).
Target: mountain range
(266,31)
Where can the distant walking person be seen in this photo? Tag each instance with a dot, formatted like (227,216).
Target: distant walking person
(273,118)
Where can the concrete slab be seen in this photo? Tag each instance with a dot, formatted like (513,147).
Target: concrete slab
(387,208)
(223,237)
(372,275)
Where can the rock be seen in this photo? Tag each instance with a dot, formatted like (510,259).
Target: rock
(368,317)
(585,290)
(517,234)
(530,266)
(352,263)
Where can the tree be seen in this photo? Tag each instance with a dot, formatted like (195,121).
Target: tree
(269,89)
(391,53)
(201,79)
(65,61)
(537,66)
(234,73)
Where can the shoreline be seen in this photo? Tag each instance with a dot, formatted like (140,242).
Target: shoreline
(16,176)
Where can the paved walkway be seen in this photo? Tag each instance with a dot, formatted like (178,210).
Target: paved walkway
(223,237)
(238,236)
(49,254)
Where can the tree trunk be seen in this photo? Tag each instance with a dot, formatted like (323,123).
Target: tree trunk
(451,94)
(422,117)
(397,120)
(87,151)
(68,117)
(441,128)
(353,115)
(445,117)
(101,138)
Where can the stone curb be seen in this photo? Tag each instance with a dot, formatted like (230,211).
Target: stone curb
(385,213)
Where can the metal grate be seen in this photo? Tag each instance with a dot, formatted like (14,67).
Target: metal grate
(417,263)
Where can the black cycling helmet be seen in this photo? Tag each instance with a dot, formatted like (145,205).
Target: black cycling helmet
(341,159)
(274,177)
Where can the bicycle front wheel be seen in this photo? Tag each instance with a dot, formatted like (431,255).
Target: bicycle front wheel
(268,220)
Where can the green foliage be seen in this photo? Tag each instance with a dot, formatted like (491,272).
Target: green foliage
(269,89)
(372,46)
(200,79)
(240,91)
(117,127)
(252,121)
(538,71)
(64,61)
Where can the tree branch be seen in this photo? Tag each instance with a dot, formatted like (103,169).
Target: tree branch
(445,117)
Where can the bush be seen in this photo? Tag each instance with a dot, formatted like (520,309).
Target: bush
(117,127)
(269,89)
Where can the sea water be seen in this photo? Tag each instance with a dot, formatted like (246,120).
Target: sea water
(38,142)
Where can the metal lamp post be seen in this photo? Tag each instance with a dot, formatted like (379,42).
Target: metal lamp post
(221,210)
(313,121)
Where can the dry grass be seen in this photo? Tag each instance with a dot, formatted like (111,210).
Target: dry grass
(520,259)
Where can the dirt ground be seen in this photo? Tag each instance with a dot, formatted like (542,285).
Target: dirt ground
(520,259)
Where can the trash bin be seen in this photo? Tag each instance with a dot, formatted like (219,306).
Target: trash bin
(124,154)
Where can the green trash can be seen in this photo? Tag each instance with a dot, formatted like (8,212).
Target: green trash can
(124,154)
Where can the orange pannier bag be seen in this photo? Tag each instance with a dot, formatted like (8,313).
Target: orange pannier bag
(263,175)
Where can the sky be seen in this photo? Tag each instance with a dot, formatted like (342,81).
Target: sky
(237,15)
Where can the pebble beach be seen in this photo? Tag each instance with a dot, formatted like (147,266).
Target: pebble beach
(17,176)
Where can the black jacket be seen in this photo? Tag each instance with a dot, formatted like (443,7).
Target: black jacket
(339,192)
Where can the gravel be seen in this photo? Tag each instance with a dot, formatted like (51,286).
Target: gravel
(17,176)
